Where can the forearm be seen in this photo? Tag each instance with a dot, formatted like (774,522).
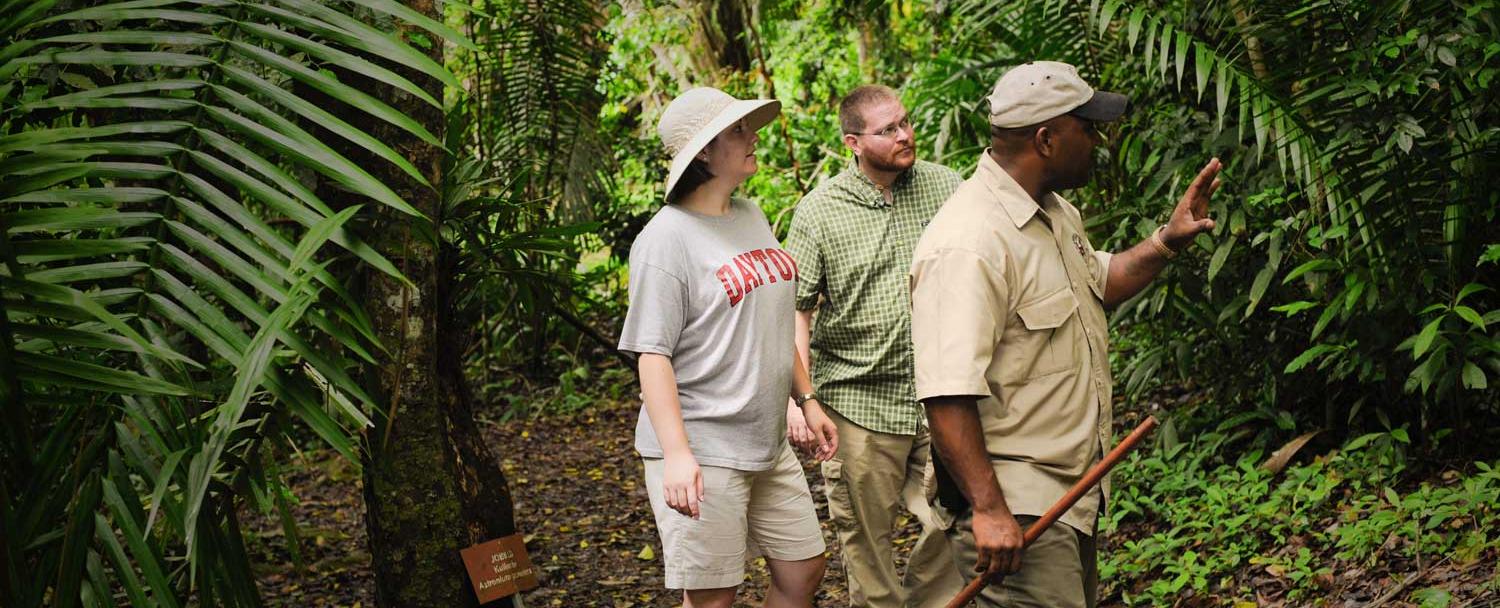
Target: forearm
(1132,270)
(803,337)
(659,387)
(801,382)
(958,440)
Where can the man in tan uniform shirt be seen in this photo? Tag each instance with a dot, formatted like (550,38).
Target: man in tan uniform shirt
(1011,342)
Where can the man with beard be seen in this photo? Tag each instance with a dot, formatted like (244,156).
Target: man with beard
(852,239)
(1011,341)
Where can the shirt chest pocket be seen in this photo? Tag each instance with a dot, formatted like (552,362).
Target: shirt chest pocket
(1044,341)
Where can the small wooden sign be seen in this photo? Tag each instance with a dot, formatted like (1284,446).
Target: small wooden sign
(499,568)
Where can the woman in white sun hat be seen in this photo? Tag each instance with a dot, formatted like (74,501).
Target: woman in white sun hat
(711,310)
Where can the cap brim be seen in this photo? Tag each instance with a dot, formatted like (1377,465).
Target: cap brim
(1102,107)
(756,112)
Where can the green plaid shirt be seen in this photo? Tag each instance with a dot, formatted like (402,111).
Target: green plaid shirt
(855,250)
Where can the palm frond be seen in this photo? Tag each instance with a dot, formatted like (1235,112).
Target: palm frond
(169,275)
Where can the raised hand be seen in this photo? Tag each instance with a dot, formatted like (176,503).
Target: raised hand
(1190,217)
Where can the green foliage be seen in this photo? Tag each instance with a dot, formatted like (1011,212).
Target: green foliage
(1216,516)
(174,299)
(1356,139)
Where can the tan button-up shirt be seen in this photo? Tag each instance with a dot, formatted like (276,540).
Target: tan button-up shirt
(1007,306)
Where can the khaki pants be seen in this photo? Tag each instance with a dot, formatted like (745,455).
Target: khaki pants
(1059,570)
(867,480)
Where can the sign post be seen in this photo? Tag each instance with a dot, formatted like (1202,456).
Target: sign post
(499,568)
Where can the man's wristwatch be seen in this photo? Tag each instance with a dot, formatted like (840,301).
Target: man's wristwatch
(804,398)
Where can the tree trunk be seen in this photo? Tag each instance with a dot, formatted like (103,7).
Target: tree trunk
(431,485)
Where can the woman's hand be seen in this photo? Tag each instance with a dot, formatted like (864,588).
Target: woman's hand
(682,483)
(797,432)
(826,434)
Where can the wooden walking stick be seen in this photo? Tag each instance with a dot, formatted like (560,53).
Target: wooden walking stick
(1090,478)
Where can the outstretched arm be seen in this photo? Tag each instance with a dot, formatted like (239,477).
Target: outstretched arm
(1131,270)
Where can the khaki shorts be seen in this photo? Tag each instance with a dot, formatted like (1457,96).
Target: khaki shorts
(743,514)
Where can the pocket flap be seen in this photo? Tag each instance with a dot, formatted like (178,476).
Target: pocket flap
(1049,311)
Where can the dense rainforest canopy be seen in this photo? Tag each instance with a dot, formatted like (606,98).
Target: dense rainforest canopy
(235,230)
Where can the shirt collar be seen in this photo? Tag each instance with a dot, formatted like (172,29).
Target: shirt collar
(1013,198)
(869,193)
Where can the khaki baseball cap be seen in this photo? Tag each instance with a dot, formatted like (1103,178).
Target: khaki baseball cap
(1039,90)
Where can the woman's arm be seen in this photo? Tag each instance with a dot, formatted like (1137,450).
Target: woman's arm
(812,411)
(682,479)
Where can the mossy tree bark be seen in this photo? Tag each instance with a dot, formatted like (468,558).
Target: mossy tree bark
(431,485)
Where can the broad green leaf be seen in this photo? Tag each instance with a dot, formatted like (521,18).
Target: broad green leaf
(1329,313)
(104,170)
(1222,85)
(163,38)
(127,88)
(1470,315)
(1306,357)
(134,58)
(1318,265)
(88,272)
(1181,58)
(117,380)
(48,177)
(1292,308)
(154,149)
(120,12)
(41,161)
(1221,254)
(1133,29)
(113,195)
(56,249)
(75,337)
(1468,290)
(1203,61)
(1258,288)
(1164,59)
(30,140)
(1426,336)
(1473,377)
(158,104)
(1107,14)
(74,218)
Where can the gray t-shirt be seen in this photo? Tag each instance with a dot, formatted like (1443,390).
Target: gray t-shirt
(715,293)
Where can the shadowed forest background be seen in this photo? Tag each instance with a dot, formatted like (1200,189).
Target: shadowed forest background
(302,296)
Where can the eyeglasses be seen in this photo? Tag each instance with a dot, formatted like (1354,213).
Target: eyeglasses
(890,130)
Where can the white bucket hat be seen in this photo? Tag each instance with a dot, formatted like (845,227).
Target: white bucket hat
(697,116)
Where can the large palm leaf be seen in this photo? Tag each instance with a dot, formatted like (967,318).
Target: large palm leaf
(173,289)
